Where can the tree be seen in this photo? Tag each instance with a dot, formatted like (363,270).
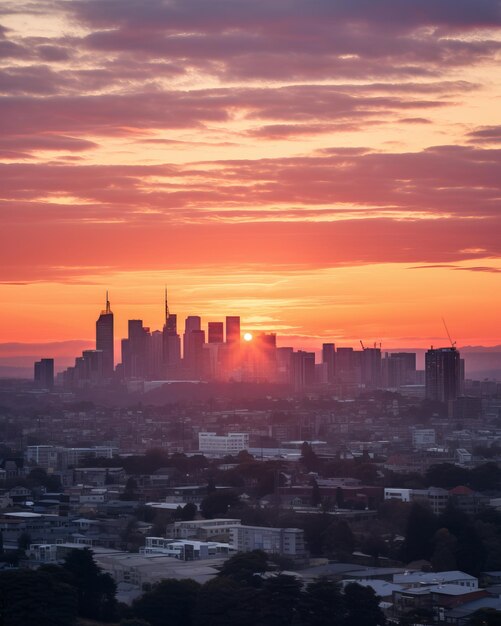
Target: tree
(243,567)
(362,606)
(446,475)
(321,604)
(96,590)
(375,546)
(189,512)
(420,530)
(33,598)
(485,617)
(309,458)
(218,503)
(443,558)
(223,601)
(278,600)
(316,496)
(24,541)
(169,602)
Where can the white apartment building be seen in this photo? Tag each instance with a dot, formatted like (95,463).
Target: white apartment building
(221,445)
(283,541)
(435,497)
(423,437)
(203,529)
(185,550)
(57,457)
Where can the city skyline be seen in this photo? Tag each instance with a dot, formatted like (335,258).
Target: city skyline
(328,172)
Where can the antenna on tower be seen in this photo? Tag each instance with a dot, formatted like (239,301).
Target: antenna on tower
(108,307)
(453,343)
(166,307)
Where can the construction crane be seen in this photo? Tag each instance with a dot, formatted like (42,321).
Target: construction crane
(362,344)
(453,343)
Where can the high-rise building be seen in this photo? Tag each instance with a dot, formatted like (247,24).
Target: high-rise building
(329,358)
(44,373)
(398,369)
(193,346)
(370,367)
(171,343)
(105,339)
(302,369)
(135,350)
(216,332)
(233,329)
(442,374)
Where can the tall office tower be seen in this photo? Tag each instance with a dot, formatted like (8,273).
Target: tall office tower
(171,343)
(91,367)
(216,332)
(302,369)
(265,357)
(233,330)
(44,373)
(329,358)
(284,357)
(399,368)
(105,339)
(193,343)
(442,374)
(370,362)
(155,367)
(233,356)
(347,366)
(135,350)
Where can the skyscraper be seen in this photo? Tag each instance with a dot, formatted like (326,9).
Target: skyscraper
(44,373)
(216,332)
(135,350)
(105,339)
(233,330)
(329,358)
(171,342)
(193,343)
(442,374)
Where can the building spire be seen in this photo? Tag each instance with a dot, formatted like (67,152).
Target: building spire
(108,307)
(166,307)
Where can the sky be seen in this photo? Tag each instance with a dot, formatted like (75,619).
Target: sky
(327,169)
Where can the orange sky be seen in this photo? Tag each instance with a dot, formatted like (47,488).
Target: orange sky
(328,170)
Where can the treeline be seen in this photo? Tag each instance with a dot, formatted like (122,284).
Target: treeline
(57,595)
(454,540)
(241,595)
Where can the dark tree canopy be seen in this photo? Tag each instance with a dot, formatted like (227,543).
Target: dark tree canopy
(170,602)
(32,598)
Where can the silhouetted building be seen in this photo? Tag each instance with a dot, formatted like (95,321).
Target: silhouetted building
(193,345)
(370,367)
(347,366)
(216,332)
(443,374)
(233,329)
(105,339)
(134,350)
(44,373)
(302,369)
(399,368)
(171,345)
(329,358)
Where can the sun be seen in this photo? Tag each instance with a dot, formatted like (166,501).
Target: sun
(247,336)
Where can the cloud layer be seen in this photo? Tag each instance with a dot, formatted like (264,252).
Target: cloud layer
(297,133)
